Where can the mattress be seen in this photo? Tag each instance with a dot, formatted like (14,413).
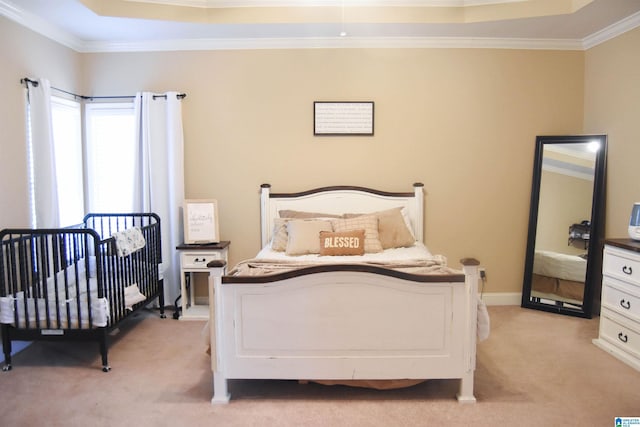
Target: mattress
(561,266)
(416,252)
(37,309)
(72,306)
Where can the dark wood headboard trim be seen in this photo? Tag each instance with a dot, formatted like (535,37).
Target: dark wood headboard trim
(424,278)
(341,188)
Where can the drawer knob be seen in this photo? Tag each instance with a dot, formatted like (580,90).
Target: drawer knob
(625,304)
(623,337)
(627,270)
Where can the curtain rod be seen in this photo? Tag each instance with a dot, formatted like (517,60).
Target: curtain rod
(25,81)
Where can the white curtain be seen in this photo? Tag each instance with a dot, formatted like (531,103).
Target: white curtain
(160,183)
(44,186)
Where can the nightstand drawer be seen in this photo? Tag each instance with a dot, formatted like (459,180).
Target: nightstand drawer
(621,297)
(619,333)
(621,265)
(199,259)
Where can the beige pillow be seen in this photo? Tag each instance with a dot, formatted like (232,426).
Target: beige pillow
(342,243)
(288,213)
(304,236)
(279,236)
(393,230)
(368,223)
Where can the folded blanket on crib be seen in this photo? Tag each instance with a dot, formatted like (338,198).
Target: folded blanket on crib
(128,241)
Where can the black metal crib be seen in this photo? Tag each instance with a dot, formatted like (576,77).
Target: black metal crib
(71,284)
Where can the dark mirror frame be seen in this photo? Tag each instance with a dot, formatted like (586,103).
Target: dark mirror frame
(593,279)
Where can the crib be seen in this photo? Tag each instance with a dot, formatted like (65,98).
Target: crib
(78,283)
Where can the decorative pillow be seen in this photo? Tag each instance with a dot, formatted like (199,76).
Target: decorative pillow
(304,236)
(287,213)
(393,230)
(368,223)
(279,236)
(342,243)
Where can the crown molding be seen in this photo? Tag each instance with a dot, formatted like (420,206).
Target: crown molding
(38,25)
(315,3)
(612,31)
(52,32)
(334,43)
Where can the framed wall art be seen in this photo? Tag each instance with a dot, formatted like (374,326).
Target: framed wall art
(343,118)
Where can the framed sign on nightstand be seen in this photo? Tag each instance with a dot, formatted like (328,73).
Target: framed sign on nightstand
(200,221)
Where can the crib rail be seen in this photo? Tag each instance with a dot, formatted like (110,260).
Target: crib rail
(115,272)
(39,270)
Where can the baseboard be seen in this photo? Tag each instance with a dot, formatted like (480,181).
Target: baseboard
(502,298)
(201,300)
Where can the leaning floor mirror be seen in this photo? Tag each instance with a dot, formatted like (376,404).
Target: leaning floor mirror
(563,261)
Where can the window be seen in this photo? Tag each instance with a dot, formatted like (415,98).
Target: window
(105,176)
(111,157)
(67,148)
(67,141)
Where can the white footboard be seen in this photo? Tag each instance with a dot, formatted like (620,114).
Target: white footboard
(343,325)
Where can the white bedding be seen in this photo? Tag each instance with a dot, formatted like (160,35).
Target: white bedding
(99,312)
(415,252)
(65,299)
(561,266)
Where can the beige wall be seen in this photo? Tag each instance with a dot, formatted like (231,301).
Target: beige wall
(462,121)
(24,54)
(612,106)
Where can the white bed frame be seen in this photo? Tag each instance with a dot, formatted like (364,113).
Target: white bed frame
(343,322)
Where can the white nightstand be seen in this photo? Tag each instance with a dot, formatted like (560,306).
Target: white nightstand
(193,260)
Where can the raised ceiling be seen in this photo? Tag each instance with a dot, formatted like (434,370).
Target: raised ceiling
(146,25)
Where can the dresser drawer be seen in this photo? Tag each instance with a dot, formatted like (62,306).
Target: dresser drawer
(622,334)
(622,265)
(621,297)
(199,260)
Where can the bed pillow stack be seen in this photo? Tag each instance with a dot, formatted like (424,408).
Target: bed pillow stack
(298,232)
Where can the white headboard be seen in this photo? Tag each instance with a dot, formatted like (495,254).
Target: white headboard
(339,200)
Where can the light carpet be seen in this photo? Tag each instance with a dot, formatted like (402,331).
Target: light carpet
(536,369)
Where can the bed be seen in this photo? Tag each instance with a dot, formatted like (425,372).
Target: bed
(79,282)
(343,318)
(558,276)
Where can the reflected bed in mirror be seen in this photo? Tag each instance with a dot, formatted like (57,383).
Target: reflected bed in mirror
(566,225)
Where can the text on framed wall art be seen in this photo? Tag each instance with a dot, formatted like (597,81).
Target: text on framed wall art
(343,118)
(201,221)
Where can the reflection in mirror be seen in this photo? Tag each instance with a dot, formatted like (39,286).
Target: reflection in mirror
(564,248)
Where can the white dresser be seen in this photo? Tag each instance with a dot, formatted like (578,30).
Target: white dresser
(620,310)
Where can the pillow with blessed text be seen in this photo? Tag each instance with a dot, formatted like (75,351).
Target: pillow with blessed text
(342,242)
